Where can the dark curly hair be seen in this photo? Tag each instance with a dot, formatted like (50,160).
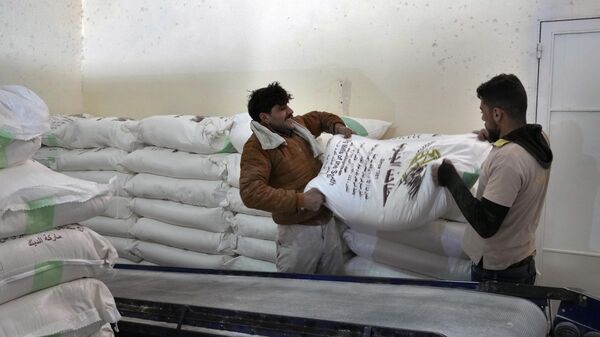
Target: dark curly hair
(505,91)
(264,99)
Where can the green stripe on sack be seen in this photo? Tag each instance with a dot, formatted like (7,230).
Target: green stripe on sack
(50,140)
(40,215)
(228,147)
(5,139)
(47,274)
(469,178)
(355,126)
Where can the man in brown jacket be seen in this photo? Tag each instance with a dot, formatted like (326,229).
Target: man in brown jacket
(278,160)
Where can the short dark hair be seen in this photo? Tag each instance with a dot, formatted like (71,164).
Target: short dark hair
(264,99)
(505,91)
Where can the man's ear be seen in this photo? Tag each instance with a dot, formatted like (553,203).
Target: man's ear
(265,118)
(497,114)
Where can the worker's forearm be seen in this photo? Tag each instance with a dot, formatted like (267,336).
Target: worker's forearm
(483,215)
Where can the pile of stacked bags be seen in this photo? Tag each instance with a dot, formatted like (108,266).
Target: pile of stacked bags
(48,262)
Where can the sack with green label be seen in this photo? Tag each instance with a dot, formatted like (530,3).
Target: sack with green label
(24,118)
(72,309)
(38,261)
(196,134)
(34,199)
(386,185)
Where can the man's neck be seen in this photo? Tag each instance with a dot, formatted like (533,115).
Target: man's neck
(510,127)
(281,132)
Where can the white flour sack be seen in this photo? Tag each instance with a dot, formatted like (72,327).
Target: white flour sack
(105,331)
(176,164)
(213,219)
(258,249)
(119,208)
(123,246)
(192,239)
(440,236)
(23,114)
(15,152)
(233,202)
(252,226)
(104,177)
(175,257)
(359,266)
(101,159)
(110,226)
(23,119)
(232,165)
(77,308)
(196,192)
(197,134)
(408,258)
(387,185)
(240,131)
(34,199)
(81,133)
(250,264)
(38,261)
(370,128)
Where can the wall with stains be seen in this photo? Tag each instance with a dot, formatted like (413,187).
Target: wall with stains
(40,47)
(416,63)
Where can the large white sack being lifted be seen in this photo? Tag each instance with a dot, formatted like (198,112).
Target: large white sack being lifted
(23,119)
(387,185)
(196,134)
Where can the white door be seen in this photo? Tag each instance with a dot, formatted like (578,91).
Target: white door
(569,111)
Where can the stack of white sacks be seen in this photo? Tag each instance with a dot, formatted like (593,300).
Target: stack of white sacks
(180,203)
(93,149)
(255,230)
(47,263)
(178,190)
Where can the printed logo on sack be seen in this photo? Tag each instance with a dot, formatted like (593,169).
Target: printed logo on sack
(413,176)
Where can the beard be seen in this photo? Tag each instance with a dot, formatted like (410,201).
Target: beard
(285,128)
(493,134)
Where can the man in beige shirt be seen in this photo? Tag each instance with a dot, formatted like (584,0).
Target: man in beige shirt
(512,186)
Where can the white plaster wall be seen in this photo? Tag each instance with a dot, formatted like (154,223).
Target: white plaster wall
(40,47)
(416,63)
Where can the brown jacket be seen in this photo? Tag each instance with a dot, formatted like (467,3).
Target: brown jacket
(274,180)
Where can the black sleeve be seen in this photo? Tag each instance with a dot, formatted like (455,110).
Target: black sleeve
(484,216)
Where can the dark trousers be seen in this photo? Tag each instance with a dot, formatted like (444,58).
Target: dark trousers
(521,272)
